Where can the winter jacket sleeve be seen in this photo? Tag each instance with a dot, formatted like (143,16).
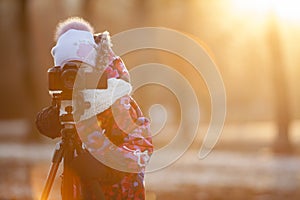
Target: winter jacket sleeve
(117,69)
(119,137)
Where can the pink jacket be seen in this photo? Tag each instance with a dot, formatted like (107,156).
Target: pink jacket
(120,138)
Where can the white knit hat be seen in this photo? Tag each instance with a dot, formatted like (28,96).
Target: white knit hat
(74,45)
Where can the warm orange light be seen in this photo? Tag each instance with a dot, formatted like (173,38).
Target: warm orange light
(288,9)
(284,9)
(260,7)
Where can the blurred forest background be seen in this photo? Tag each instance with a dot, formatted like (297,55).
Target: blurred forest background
(255,45)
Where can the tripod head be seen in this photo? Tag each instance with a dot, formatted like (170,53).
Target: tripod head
(67,113)
(68,116)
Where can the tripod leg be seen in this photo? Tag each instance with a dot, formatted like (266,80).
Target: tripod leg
(57,157)
(68,175)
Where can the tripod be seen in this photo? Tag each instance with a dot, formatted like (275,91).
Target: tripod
(65,150)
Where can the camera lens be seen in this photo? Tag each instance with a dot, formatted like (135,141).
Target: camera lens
(68,77)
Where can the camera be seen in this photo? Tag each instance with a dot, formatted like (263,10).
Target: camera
(62,79)
(61,85)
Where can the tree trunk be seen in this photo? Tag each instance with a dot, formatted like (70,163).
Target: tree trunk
(28,85)
(282,113)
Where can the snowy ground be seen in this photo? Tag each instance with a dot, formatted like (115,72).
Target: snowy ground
(229,175)
(222,175)
(241,167)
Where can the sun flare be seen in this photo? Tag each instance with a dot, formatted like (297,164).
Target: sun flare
(284,9)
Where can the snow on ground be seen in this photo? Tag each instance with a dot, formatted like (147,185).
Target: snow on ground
(24,169)
(230,169)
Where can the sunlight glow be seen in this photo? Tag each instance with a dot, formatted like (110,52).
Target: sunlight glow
(284,9)
(289,9)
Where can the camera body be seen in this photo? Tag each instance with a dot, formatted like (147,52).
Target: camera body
(62,79)
(61,85)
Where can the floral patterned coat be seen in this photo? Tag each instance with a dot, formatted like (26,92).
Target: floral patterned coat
(120,135)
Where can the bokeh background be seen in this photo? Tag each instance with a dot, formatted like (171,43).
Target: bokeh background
(255,45)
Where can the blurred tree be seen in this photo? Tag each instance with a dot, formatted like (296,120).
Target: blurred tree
(27,66)
(87,11)
(282,112)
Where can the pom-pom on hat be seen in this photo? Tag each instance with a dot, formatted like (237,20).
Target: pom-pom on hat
(75,42)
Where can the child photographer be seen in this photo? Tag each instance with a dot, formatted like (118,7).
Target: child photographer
(113,127)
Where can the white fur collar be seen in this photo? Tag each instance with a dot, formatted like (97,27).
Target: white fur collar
(102,99)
